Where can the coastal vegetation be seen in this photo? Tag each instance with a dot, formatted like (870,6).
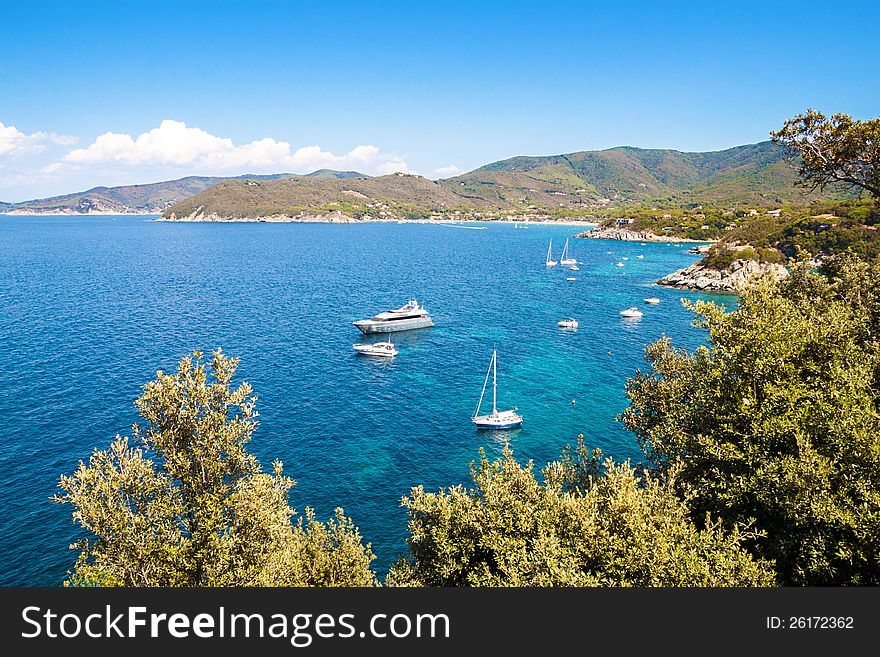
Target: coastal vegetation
(185,503)
(775,421)
(590,522)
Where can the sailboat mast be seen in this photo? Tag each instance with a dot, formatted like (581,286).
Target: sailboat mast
(483,392)
(494,381)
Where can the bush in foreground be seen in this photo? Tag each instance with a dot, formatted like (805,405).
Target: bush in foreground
(190,506)
(587,524)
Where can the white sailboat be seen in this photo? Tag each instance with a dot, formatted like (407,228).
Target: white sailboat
(550,261)
(566,261)
(497,419)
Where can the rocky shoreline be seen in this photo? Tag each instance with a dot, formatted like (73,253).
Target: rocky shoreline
(728,281)
(625,235)
(213,217)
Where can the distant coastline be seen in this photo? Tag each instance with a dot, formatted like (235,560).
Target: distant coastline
(70,213)
(340,218)
(320,219)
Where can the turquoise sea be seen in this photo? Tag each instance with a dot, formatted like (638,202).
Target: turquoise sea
(91,307)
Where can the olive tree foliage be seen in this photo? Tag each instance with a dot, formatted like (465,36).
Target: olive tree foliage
(589,523)
(185,504)
(775,421)
(838,151)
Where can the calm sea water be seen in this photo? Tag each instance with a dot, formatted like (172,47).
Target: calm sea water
(91,307)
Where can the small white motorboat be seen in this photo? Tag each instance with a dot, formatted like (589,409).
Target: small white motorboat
(620,264)
(569,324)
(624,258)
(631,313)
(640,257)
(571,278)
(384,349)
(652,300)
(574,268)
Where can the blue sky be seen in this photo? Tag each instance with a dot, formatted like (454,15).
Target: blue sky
(227,88)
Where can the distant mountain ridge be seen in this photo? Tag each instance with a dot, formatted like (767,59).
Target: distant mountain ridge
(573,184)
(150,198)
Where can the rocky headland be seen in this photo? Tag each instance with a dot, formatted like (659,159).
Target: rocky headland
(625,235)
(728,280)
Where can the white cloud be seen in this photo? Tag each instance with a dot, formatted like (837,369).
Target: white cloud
(175,144)
(15,142)
(393,166)
(447,171)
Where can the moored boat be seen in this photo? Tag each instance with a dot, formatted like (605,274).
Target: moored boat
(566,258)
(496,419)
(652,300)
(383,349)
(567,324)
(632,313)
(409,316)
(550,261)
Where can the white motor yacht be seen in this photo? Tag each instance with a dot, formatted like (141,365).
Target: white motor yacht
(569,324)
(409,316)
(652,300)
(632,313)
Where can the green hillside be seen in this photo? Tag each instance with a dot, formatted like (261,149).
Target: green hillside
(396,195)
(746,175)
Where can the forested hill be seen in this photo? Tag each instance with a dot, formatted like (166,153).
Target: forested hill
(756,174)
(147,198)
(575,184)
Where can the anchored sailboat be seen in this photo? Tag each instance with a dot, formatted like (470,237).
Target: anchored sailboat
(550,261)
(497,419)
(566,261)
